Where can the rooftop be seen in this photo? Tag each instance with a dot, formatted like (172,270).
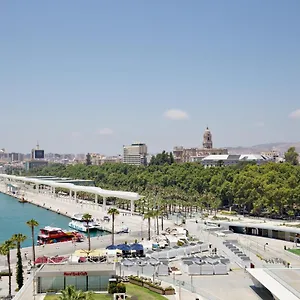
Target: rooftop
(243,157)
(283,283)
(46,268)
(261,226)
(70,186)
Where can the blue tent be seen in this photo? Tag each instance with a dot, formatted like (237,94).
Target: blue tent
(124,247)
(137,247)
(111,247)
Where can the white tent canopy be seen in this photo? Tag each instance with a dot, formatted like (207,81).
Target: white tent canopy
(73,187)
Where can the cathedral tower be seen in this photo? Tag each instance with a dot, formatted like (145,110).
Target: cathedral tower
(207,139)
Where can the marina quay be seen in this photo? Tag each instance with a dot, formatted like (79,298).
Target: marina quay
(201,259)
(16,182)
(43,192)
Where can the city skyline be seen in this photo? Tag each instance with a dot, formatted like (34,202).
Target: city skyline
(91,77)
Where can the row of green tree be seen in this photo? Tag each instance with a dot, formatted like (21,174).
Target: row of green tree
(272,189)
(17,239)
(15,243)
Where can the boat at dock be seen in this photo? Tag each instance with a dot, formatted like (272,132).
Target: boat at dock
(23,200)
(51,235)
(78,223)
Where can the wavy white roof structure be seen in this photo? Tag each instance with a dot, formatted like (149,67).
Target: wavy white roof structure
(78,188)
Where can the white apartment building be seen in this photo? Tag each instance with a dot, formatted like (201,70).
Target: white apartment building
(99,159)
(135,154)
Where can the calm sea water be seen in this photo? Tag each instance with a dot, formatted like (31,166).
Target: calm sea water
(14,215)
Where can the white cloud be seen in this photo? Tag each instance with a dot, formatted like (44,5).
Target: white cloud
(259,124)
(295,114)
(176,114)
(105,131)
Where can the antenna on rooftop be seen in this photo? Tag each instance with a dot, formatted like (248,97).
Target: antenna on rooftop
(37,145)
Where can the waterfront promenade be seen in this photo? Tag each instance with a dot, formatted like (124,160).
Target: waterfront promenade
(138,227)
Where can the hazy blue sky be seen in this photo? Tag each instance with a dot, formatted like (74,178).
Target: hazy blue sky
(93,75)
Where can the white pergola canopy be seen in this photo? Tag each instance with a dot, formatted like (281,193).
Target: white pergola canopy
(77,188)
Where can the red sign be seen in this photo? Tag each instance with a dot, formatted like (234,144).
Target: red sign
(75,273)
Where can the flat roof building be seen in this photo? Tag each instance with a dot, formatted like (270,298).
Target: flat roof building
(135,154)
(232,159)
(281,283)
(85,277)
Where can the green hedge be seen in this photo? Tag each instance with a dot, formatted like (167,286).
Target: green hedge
(5,274)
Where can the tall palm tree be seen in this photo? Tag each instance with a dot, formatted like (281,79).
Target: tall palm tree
(88,218)
(5,250)
(19,238)
(32,223)
(149,215)
(113,212)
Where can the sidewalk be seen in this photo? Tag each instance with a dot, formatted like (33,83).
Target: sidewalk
(68,207)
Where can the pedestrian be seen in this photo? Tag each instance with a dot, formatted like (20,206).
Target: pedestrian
(25,256)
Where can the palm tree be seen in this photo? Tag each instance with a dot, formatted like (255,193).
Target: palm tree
(148,215)
(70,293)
(5,250)
(32,223)
(113,212)
(19,238)
(88,218)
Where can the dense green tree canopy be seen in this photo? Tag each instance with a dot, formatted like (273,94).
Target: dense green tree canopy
(162,158)
(88,160)
(272,189)
(291,156)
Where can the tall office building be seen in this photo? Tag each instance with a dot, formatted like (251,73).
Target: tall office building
(135,154)
(37,159)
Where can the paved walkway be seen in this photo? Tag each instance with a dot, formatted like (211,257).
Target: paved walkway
(68,207)
(232,286)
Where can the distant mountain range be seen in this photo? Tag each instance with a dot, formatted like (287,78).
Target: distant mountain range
(257,149)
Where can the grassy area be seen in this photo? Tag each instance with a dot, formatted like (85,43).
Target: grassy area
(131,290)
(295,251)
(142,293)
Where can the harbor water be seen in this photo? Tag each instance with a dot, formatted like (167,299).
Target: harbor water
(14,215)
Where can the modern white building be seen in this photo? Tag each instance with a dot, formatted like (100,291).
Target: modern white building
(232,159)
(135,154)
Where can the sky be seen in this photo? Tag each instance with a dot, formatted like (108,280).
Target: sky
(92,76)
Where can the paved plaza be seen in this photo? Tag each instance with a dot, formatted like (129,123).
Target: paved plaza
(231,286)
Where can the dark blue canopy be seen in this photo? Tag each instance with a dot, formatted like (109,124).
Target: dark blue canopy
(124,247)
(137,247)
(111,247)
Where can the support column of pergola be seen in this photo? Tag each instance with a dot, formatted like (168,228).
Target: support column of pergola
(96,201)
(104,204)
(131,206)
